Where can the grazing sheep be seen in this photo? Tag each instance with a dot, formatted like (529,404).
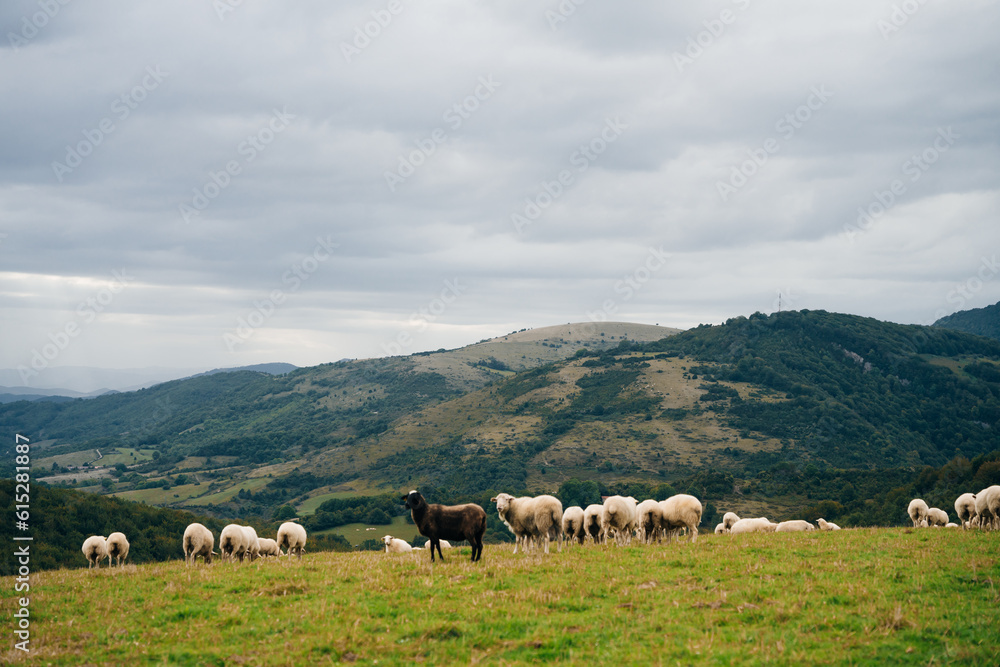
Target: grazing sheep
(827,525)
(198,541)
(394,545)
(618,517)
(268,547)
(758,525)
(528,518)
(729,519)
(117,548)
(448,522)
(649,518)
(572,524)
(252,542)
(681,511)
(993,505)
(720,529)
(965,509)
(592,522)
(95,548)
(292,537)
(233,542)
(917,510)
(936,517)
(794,526)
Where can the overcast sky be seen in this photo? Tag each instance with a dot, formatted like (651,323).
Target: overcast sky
(201,185)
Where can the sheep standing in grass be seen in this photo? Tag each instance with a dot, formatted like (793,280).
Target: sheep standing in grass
(965,508)
(268,547)
(728,520)
(252,542)
(531,518)
(448,522)
(917,509)
(394,545)
(758,525)
(649,518)
(592,522)
(992,507)
(572,524)
(794,526)
(233,542)
(618,518)
(95,548)
(292,537)
(681,511)
(828,525)
(720,529)
(198,541)
(117,548)
(937,517)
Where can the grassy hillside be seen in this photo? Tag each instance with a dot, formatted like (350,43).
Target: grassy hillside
(887,596)
(979,321)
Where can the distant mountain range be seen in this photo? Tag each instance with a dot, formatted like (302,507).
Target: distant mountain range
(979,321)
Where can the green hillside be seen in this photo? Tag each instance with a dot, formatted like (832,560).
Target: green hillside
(979,321)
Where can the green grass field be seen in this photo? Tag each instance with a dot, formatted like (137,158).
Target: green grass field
(356,533)
(870,597)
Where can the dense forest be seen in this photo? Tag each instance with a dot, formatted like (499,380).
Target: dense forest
(979,321)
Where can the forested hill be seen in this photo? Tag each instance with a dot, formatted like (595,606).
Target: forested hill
(979,321)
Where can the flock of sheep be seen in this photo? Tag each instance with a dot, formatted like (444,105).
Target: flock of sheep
(539,521)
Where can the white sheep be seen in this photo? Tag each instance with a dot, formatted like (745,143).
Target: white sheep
(198,541)
(618,517)
(394,545)
(649,519)
(531,518)
(95,548)
(794,526)
(681,511)
(572,524)
(292,537)
(936,517)
(233,542)
(252,542)
(729,519)
(917,509)
(720,529)
(592,521)
(951,525)
(992,513)
(117,547)
(758,525)
(965,508)
(827,525)
(268,547)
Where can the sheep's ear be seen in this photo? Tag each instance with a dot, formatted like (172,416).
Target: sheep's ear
(493,499)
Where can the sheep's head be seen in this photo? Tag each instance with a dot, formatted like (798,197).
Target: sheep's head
(387,540)
(503,503)
(413,500)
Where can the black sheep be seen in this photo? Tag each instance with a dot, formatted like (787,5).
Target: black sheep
(448,522)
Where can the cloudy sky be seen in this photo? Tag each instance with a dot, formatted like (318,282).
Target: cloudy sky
(201,184)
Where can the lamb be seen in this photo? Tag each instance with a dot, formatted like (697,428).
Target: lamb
(826,525)
(951,525)
(965,508)
(794,526)
(198,541)
(269,547)
(527,518)
(394,545)
(252,542)
(572,524)
(720,529)
(292,537)
(681,511)
(729,519)
(117,548)
(758,525)
(449,522)
(936,517)
(649,517)
(233,542)
(917,510)
(95,548)
(618,516)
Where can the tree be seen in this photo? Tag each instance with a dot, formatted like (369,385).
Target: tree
(284,513)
